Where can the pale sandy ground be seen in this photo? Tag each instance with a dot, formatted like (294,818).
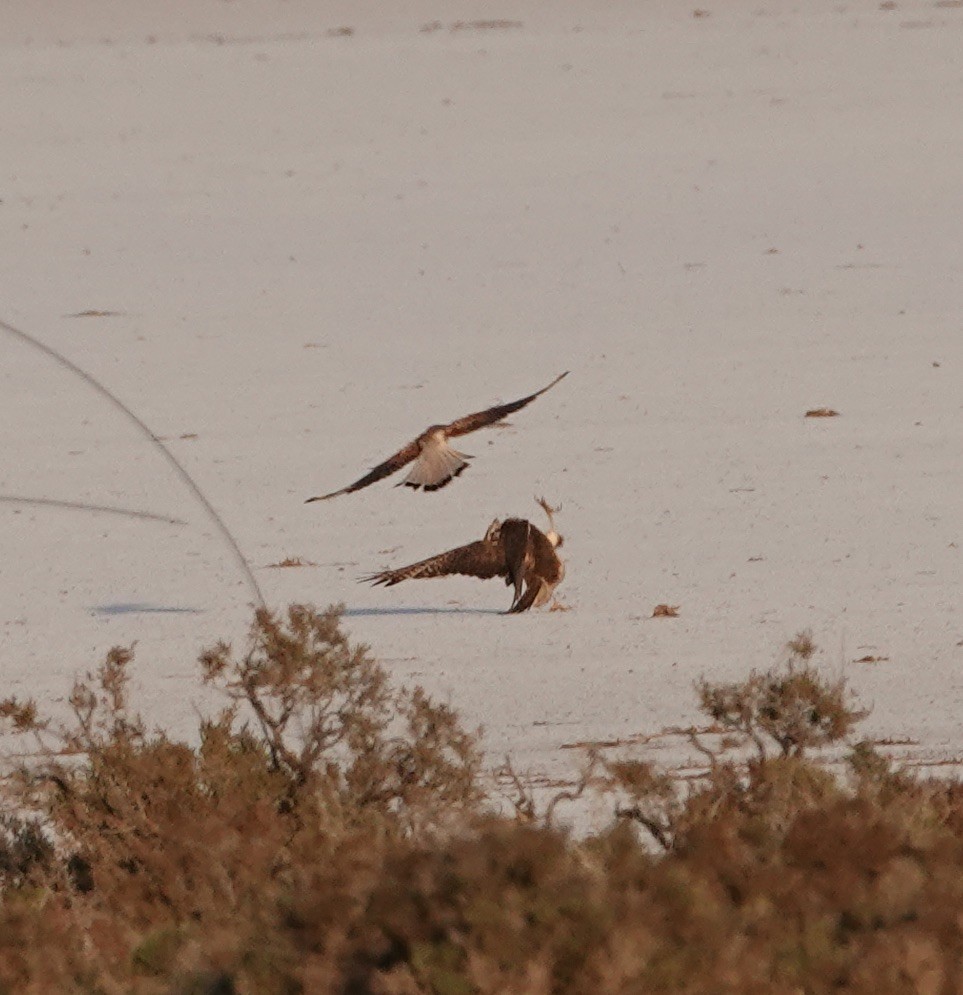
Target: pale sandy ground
(321,242)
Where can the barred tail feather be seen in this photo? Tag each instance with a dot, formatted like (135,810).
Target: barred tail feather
(435,467)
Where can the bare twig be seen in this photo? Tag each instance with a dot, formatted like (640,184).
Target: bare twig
(172,460)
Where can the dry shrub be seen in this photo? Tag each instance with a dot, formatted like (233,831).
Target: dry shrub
(220,857)
(333,727)
(328,833)
(792,708)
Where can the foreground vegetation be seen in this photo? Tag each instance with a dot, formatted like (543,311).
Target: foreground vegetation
(333,833)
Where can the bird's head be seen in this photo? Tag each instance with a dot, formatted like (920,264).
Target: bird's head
(553,537)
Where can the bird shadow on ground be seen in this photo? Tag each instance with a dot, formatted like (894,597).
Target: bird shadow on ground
(377,612)
(140,607)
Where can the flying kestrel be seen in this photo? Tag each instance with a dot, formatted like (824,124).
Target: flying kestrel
(514,549)
(436,463)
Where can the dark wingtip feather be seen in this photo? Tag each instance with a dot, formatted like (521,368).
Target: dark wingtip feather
(374,579)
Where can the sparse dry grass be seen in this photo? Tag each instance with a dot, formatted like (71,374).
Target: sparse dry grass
(291,561)
(330,833)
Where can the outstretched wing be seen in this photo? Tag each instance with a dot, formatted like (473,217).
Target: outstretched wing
(382,470)
(478,559)
(489,416)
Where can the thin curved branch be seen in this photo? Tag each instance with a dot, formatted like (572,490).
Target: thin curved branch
(187,479)
(106,509)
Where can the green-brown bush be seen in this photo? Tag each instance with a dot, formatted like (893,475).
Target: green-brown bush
(332,833)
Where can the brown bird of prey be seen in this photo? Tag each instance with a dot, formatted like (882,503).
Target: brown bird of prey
(514,549)
(436,463)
